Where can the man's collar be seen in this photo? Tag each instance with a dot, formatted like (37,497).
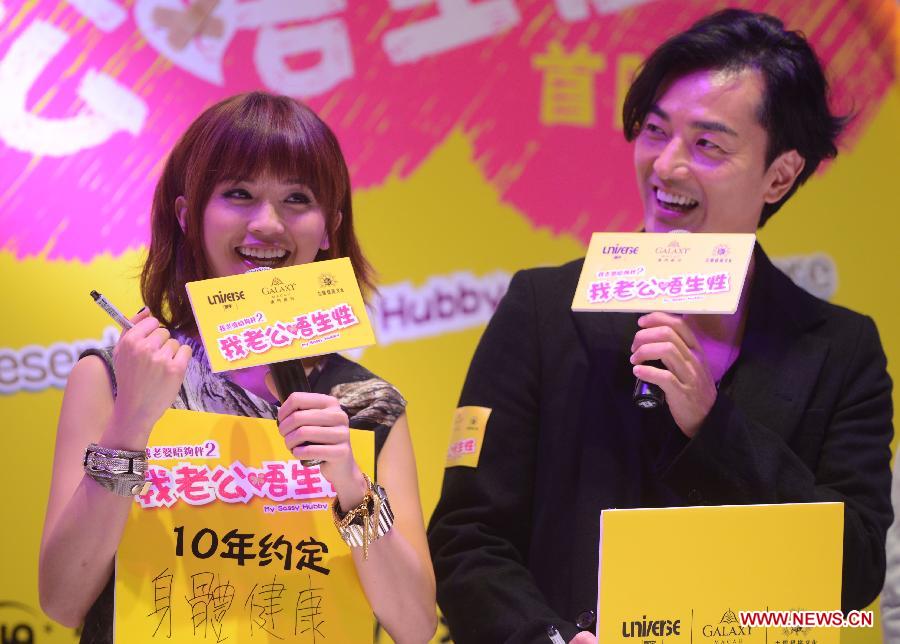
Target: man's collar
(773,293)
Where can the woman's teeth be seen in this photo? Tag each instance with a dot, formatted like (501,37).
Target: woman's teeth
(675,201)
(262,255)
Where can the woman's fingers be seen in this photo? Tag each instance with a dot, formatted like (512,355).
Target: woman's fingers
(313,417)
(328,454)
(143,314)
(319,435)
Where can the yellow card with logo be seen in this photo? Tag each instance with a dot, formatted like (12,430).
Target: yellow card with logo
(234,540)
(467,435)
(262,317)
(674,272)
(754,574)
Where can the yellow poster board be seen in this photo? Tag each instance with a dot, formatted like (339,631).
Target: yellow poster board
(683,575)
(674,272)
(268,316)
(234,541)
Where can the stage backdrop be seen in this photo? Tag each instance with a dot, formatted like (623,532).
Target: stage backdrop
(482,137)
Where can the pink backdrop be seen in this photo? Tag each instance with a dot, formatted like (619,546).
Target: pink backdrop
(392,81)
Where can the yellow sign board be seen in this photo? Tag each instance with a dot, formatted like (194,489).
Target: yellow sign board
(262,317)
(234,540)
(685,575)
(674,272)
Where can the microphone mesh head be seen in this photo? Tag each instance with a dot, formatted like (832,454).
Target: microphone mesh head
(258,268)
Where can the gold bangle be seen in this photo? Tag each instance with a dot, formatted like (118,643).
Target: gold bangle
(368,521)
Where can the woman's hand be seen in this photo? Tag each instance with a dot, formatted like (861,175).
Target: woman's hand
(687,380)
(315,427)
(150,367)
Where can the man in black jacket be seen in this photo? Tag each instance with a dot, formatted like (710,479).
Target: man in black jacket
(787,400)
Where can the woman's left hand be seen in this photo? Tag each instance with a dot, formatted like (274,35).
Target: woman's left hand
(315,427)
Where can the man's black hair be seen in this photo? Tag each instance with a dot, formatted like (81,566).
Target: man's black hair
(794,108)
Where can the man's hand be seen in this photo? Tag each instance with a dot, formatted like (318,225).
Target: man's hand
(687,380)
(584,637)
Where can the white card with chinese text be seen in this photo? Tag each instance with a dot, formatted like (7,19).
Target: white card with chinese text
(672,272)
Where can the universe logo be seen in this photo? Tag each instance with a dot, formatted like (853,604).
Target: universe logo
(651,630)
(225,298)
(727,631)
(617,250)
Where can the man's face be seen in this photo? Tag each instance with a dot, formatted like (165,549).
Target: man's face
(700,155)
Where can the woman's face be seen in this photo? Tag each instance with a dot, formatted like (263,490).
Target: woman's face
(262,221)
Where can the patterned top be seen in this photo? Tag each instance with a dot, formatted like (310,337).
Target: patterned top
(370,402)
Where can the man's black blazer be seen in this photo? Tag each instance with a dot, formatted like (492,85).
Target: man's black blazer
(803,415)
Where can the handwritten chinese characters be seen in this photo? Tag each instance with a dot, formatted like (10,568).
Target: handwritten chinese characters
(266,607)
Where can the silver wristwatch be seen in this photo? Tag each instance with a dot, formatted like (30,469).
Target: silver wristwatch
(354,533)
(122,472)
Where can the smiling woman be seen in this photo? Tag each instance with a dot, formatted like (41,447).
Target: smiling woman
(256,181)
(260,222)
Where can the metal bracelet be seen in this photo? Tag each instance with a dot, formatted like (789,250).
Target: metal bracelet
(120,471)
(370,520)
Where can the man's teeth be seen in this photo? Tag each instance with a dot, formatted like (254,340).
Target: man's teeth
(262,253)
(677,200)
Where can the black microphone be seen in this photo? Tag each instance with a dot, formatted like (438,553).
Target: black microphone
(289,376)
(646,395)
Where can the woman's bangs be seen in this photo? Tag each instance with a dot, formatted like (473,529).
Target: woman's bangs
(257,146)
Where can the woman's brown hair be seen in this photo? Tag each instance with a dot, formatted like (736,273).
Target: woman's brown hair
(242,137)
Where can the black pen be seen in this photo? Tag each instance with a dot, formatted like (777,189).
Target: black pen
(113,312)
